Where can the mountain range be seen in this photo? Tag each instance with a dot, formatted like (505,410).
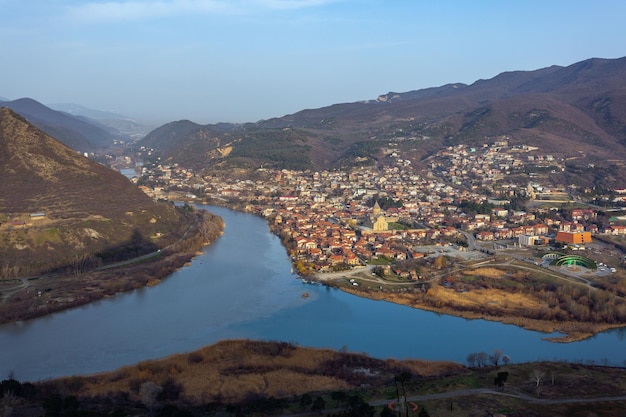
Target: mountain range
(577,113)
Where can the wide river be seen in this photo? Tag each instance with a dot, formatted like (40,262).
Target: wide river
(242,287)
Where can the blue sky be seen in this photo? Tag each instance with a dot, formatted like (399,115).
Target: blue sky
(246,60)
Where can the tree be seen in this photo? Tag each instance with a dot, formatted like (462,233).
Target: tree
(537,376)
(495,357)
(423,412)
(148,394)
(481,358)
(306,400)
(400,380)
(318,405)
(338,396)
(386,412)
(501,379)
(471,359)
(440,262)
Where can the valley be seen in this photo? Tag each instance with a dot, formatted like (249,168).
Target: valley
(426,236)
(502,200)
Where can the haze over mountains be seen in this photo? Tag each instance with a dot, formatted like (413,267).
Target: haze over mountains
(82,129)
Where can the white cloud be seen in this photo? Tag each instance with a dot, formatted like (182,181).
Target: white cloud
(116,10)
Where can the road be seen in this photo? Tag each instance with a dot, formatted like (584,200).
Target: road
(480,391)
(513,394)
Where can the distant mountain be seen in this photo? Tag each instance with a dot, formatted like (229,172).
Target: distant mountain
(75,132)
(79,110)
(59,209)
(576,112)
(123,126)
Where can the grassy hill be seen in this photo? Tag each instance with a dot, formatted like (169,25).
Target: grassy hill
(59,210)
(254,378)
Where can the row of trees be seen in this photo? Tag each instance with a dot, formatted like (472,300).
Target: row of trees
(483,359)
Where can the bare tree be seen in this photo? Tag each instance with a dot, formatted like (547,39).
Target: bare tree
(471,359)
(537,376)
(506,359)
(495,357)
(482,358)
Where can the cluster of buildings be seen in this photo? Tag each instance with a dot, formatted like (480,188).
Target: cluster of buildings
(335,219)
(490,165)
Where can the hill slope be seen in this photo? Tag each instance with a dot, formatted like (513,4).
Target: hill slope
(75,132)
(60,210)
(578,111)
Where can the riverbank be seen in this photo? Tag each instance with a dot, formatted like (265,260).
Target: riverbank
(247,377)
(570,331)
(241,287)
(521,295)
(28,298)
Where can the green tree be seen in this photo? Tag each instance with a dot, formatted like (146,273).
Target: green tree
(318,405)
(500,380)
(338,396)
(386,412)
(306,400)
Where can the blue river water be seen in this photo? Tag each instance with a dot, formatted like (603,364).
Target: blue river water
(242,287)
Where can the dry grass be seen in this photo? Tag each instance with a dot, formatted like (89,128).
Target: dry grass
(241,372)
(511,302)
(486,272)
(231,371)
(512,308)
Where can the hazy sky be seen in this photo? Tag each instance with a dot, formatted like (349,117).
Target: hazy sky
(246,60)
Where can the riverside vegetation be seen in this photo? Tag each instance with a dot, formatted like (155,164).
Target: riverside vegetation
(28,298)
(73,231)
(252,378)
(502,289)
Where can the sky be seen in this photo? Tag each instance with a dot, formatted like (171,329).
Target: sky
(245,60)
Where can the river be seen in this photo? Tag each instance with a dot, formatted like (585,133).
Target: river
(242,287)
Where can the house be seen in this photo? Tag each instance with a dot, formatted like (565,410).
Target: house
(615,230)
(335,259)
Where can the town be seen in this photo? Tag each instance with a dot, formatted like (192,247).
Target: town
(338,220)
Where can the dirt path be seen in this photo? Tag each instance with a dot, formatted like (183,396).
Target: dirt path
(7,290)
(481,391)
(514,394)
